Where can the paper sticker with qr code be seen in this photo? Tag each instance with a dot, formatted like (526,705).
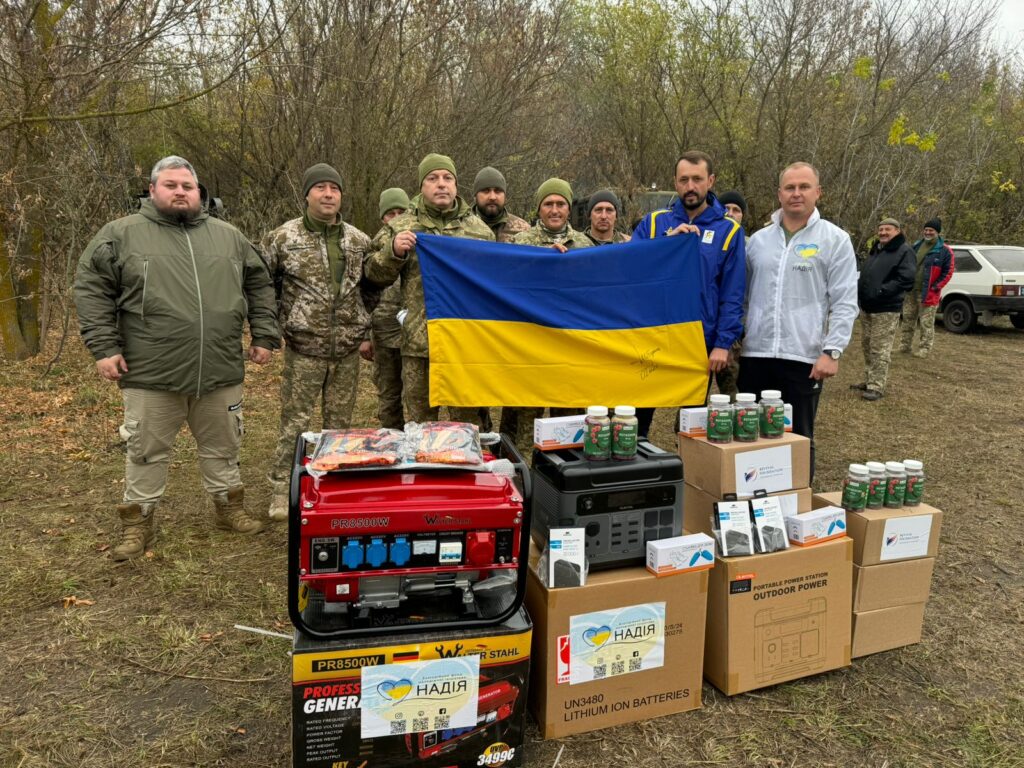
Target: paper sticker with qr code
(616,642)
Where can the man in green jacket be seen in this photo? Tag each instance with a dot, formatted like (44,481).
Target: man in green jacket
(437,210)
(162,298)
(316,262)
(386,331)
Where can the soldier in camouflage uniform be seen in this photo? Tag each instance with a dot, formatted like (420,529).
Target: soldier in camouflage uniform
(603,210)
(317,262)
(387,331)
(553,201)
(489,193)
(436,210)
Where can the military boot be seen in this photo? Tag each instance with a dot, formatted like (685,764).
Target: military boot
(230,512)
(136,531)
(278,507)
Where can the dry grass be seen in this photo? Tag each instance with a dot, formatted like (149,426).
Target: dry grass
(153,674)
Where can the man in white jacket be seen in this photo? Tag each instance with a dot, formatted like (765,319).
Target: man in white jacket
(801,300)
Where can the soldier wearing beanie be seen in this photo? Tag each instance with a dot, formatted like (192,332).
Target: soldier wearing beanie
(489,204)
(603,211)
(437,210)
(324,302)
(735,205)
(386,331)
(552,202)
(934,269)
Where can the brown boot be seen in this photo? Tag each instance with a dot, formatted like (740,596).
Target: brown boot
(136,531)
(230,512)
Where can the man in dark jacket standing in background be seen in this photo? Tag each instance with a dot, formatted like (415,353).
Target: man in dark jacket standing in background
(885,278)
(934,268)
(162,298)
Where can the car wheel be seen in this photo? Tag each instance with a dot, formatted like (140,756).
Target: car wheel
(958,316)
(1017,321)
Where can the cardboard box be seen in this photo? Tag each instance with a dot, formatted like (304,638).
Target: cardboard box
(806,529)
(694,552)
(699,506)
(559,432)
(625,647)
(775,465)
(462,694)
(778,617)
(693,422)
(892,584)
(889,628)
(887,535)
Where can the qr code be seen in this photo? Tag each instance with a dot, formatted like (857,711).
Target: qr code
(600,671)
(441,721)
(398,727)
(420,724)
(634,665)
(618,667)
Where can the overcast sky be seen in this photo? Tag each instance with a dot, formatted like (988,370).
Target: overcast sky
(1011,23)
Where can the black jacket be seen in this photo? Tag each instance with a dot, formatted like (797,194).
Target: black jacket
(886,276)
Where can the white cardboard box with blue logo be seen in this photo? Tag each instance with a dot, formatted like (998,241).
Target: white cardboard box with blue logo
(768,465)
(625,647)
(889,535)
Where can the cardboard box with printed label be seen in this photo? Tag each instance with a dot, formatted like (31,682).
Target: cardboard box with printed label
(875,631)
(774,465)
(699,506)
(778,617)
(450,699)
(888,585)
(625,647)
(887,535)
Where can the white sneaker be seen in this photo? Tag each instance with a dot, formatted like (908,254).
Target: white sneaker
(278,508)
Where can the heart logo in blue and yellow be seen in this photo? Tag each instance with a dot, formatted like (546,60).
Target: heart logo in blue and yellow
(807,251)
(597,636)
(395,690)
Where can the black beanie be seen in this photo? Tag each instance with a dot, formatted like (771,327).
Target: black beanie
(734,197)
(603,196)
(935,224)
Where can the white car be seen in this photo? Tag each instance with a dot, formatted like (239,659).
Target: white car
(988,281)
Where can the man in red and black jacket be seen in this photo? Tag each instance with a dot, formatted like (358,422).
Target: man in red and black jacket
(934,269)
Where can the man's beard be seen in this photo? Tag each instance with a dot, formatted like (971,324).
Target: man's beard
(182,216)
(696,205)
(491,210)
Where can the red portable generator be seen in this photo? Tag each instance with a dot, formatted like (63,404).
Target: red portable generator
(391,549)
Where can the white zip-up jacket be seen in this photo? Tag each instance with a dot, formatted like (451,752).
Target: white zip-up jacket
(801,297)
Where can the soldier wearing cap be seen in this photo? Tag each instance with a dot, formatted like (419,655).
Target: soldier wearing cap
(324,303)
(437,210)
(489,204)
(603,211)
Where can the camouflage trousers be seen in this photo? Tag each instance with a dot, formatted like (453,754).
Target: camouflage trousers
(387,375)
(916,316)
(152,419)
(304,380)
(879,332)
(726,378)
(416,394)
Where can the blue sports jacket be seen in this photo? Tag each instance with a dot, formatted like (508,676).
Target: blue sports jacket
(724,265)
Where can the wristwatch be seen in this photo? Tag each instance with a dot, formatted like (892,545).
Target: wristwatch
(835,354)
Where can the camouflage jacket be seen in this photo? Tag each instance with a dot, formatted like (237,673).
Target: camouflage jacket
(387,331)
(315,321)
(506,227)
(538,235)
(617,237)
(384,267)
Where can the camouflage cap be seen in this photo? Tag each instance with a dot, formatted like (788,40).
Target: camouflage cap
(435,162)
(391,198)
(550,187)
(317,173)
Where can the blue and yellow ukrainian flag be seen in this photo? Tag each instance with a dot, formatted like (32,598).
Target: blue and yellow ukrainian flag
(527,326)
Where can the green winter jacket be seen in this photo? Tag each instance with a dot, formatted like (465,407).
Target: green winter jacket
(172,298)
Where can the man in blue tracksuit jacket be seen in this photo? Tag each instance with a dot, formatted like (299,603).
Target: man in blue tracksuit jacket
(697,213)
